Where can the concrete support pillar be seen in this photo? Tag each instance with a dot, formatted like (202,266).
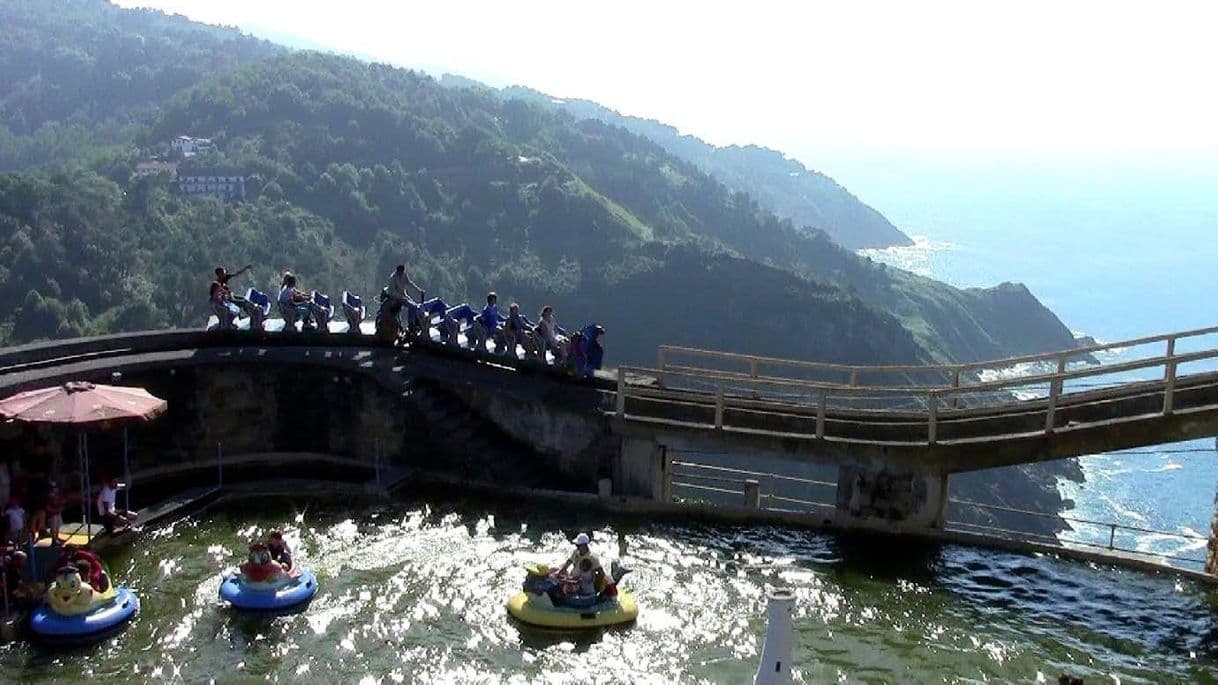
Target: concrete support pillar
(641,469)
(886,493)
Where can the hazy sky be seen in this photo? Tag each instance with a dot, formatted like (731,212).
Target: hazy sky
(811,76)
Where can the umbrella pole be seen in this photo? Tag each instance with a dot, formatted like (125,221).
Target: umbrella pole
(126,474)
(84,495)
(88,492)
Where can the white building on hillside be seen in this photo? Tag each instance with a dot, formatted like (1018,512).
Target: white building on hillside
(189,147)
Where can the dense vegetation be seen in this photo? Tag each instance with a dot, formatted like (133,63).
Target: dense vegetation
(780,184)
(352,167)
(76,74)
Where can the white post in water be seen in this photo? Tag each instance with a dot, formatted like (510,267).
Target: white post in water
(775,666)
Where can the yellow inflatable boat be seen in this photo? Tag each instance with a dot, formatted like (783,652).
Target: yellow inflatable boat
(542,604)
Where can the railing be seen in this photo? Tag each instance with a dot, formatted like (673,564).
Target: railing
(953,374)
(1117,534)
(754,392)
(745,484)
(689,481)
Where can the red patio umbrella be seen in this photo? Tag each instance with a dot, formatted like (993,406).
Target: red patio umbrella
(84,404)
(81,403)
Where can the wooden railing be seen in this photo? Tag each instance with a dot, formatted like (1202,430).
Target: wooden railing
(755,391)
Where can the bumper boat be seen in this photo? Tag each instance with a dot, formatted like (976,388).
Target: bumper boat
(263,585)
(76,613)
(544,604)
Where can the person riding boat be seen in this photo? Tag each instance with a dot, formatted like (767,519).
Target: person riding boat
(582,553)
(279,550)
(92,568)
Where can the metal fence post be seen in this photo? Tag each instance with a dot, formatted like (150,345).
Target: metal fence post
(1112,536)
(621,392)
(219,466)
(376,450)
(719,405)
(956,386)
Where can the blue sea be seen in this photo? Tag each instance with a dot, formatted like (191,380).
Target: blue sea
(1119,246)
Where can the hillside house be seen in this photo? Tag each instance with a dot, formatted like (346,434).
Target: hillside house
(190,147)
(227,184)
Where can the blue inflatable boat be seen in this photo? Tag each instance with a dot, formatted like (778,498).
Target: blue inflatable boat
(275,596)
(107,613)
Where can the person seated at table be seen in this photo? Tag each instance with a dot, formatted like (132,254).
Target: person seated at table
(279,550)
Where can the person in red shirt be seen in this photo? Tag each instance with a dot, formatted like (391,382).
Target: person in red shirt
(54,509)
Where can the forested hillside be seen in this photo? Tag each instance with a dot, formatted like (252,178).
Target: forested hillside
(351,167)
(780,184)
(78,74)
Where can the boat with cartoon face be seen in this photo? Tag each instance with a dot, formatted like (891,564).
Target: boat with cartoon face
(262,584)
(550,599)
(74,611)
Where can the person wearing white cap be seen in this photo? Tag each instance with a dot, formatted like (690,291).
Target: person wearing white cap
(582,553)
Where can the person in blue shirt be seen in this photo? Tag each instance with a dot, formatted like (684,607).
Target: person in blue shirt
(594,351)
(488,324)
(519,330)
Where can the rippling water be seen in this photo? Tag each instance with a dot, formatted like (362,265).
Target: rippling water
(414,592)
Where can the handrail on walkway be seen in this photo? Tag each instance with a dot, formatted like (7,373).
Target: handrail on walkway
(954,371)
(726,389)
(754,488)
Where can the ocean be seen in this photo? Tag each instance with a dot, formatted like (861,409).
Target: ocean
(1118,247)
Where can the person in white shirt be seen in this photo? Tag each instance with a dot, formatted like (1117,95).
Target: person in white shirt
(395,289)
(398,281)
(112,517)
(582,552)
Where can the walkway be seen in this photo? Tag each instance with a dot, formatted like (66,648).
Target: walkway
(951,417)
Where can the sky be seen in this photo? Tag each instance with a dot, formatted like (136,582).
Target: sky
(1050,77)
